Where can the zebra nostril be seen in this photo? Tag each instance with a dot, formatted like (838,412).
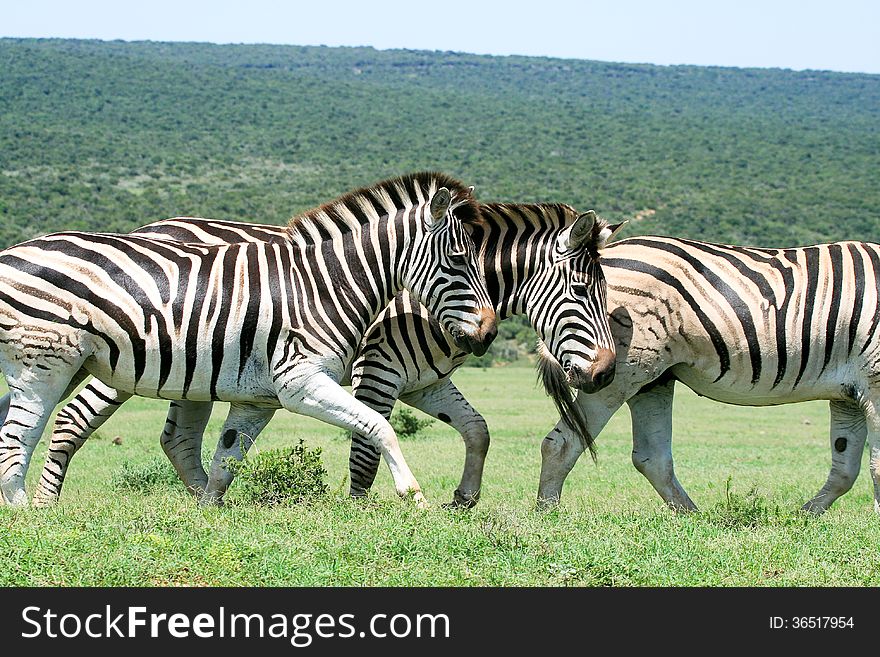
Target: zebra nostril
(490,333)
(603,378)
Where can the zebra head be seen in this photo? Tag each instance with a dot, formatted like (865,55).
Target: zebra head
(443,272)
(567,305)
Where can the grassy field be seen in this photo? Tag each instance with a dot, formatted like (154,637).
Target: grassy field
(612,528)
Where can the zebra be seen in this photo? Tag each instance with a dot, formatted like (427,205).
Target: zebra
(260,325)
(540,259)
(393,365)
(744,326)
(740,325)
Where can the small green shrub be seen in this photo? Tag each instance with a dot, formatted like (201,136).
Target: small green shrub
(749,510)
(145,477)
(407,425)
(277,476)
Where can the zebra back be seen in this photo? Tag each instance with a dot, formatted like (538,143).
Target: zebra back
(772,319)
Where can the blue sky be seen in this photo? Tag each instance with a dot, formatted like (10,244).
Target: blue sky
(843,35)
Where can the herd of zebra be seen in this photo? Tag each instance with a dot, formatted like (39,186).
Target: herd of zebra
(390,287)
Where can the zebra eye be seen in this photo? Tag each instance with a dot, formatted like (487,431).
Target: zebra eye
(458,259)
(580,289)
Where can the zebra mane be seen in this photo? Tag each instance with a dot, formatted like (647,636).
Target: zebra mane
(557,216)
(354,206)
(552,376)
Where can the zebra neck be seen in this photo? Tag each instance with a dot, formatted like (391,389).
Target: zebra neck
(511,256)
(355,275)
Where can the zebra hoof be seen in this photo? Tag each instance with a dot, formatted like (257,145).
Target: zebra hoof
(462,501)
(813,508)
(546,504)
(419,499)
(357,493)
(208,500)
(17,499)
(41,502)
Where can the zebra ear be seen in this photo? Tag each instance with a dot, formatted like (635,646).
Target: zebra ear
(608,232)
(579,231)
(440,203)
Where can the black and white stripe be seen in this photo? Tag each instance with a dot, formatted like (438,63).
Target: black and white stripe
(740,325)
(263,325)
(533,265)
(405,356)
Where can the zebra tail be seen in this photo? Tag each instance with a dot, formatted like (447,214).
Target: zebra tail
(552,376)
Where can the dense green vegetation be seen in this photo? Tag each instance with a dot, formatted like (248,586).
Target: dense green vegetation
(612,528)
(111,135)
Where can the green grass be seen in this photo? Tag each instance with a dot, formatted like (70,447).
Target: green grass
(612,528)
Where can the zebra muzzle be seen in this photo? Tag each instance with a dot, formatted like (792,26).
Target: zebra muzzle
(595,377)
(486,331)
(476,341)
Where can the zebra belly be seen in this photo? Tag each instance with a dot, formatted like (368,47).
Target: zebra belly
(200,385)
(730,390)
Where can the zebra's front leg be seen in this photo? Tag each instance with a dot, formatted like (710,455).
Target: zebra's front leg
(445,402)
(363,455)
(651,412)
(848,433)
(377,383)
(74,424)
(562,447)
(243,424)
(317,395)
(182,442)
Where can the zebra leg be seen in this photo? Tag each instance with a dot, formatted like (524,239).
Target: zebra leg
(378,387)
(872,414)
(651,411)
(319,396)
(4,407)
(848,433)
(364,456)
(561,448)
(243,424)
(74,424)
(363,464)
(182,442)
(30,406)
(445,402)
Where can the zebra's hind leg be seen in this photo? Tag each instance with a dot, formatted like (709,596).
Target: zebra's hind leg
(30,405)
(74,424)
(848,433)
(871,404)
(182,442)
(363,465)
(243,424)
(363,459)
(445,402)
(651,411)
